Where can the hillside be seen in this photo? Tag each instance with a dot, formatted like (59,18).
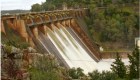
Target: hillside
(114,24)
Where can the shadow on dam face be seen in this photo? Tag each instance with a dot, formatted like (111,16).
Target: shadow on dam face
(62,33)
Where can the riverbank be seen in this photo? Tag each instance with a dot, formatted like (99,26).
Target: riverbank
(112,54)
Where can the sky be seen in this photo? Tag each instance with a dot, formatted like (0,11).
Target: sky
(18,4)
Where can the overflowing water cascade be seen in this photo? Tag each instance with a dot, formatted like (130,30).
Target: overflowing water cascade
(80,42)
(70,49)
(50,48)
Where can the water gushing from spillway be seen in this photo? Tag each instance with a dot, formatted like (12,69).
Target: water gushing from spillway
(51,49)
(70,50)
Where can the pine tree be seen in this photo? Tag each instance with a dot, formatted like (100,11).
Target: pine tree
(118,67)
(134,64)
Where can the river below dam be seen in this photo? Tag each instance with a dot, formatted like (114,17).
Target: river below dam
(105,64)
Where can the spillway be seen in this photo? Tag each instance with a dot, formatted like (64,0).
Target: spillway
(80,42)
(70,49)
(50,48)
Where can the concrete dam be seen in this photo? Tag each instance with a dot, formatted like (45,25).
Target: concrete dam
(63,33)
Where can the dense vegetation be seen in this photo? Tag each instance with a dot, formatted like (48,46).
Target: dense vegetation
(114,23)
(76,73)
(57,4)
(104,75)
(46,67)
(117,23)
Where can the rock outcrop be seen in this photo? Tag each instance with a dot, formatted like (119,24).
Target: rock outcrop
(16,63)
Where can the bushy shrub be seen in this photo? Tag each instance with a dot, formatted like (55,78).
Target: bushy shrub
(45,67)
(24,45)
(126,13)
(90,27)
(105,75)
(136,2)
(76,73)
(46,75)
(107,2)
(88,20)
(120,1)
(91,32)
(110,10)
(12,43)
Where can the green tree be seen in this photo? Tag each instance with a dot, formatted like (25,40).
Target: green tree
(94,13)
(91,32)
(134,64)
(111,9)
(35,7)
(129,29)
(88,20)
(107,2)
(117,17)
(112,31)
(47,6)
(90,27)
(120,1)
(96,25)
(105,75)
(135,19)
(95,75)
(118,67)
(76,73)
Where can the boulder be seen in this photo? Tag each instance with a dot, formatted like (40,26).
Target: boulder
(15,50)
(3,45)
(18,62)
(34,51)
(18,56)
(31,50)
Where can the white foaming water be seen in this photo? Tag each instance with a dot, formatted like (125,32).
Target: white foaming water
(58,45)
(105,64)
(70,50)
(84,44)
(74,42)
